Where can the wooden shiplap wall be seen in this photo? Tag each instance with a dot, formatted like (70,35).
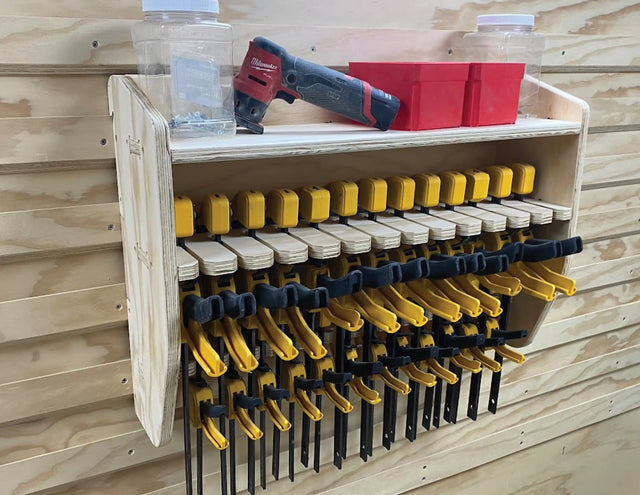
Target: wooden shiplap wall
(67,423)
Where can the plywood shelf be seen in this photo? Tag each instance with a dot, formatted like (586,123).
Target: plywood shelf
(309,139)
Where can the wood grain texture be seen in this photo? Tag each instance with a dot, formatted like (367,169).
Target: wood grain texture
(145,188)
(603,170)
(596,85)
(24,360)
(606,273)
(49,393)
(31,191)
(620,199)
(608,250)
(67,428)
(53,274)
(570,463)
(50,139)
(609,224)
(612,143)
(96,308)
(33,233)
(169,475)
(68,44)
(53,95)
(591,301)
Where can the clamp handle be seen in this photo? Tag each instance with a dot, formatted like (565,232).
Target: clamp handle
(443,266)
(351,283)
(324,368)
(386,274)
(238,305)
(311,298)
(270,297)
(202,310)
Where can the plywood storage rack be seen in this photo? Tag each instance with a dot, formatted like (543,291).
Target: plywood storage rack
(152,168)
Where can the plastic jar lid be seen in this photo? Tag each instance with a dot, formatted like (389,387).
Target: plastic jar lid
(210,6)
(505,20)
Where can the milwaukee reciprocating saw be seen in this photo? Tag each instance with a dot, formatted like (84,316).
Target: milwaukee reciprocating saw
(269,72)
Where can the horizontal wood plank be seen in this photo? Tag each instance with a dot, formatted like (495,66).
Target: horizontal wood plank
(608,224)
(619,198)
(607,250)
(590,301)
(45,276)
(612,143)
(96,308)
(606,273)
(601,170)
(50,139)
(584,325)
(30,359)
(33,233)
(31,191)
(614,112)
(571,463)
(50,393)
(53,95)
(92,44)
(594,85)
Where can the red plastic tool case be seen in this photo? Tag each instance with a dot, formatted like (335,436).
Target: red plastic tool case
(431,93)
(492,94)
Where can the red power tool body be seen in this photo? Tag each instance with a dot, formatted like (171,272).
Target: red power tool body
(269,72)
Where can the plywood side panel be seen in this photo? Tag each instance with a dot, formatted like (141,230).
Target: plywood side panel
(35,190)
(33,233)
(53,95)
(50,393)
(25,360)
(95,308)
(571,463)
(49,139)
(54,274)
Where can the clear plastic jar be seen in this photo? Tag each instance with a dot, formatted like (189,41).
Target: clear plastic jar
(185,57)
(509,38)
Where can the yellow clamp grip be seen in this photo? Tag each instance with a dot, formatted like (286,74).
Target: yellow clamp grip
(375,314)
(372,194)
(427,190)
(183,216)
(403,308)
(563,284)
(417,375)
(199,344)
(319,366)
(532,284)
(503,350)
(269,332)
(469,305)
(361,390)
(249,209)
(470,329)
(452,188)
(401,193)
(344,198)
(477,187)
(489,304)
(378,350)
(282,207)
(523,178)
(314,203)
(500,284)
(196,396)
(309,341)
(234,341)
(290,372)
(216,214)
(263,379)
(427,295)
(233,387)
(500,180)
(342,317)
